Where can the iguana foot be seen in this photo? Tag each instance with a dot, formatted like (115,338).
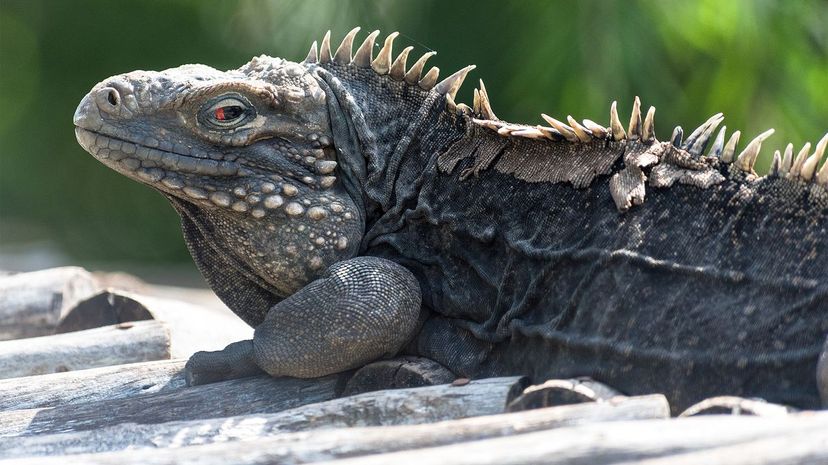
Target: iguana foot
(234,361)
(398,373)
(360,310)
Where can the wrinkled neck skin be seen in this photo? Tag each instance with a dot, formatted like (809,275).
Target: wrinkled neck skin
(278,256)
(388,135)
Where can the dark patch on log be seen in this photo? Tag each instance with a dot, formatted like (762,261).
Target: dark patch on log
(104,309)
(561,392)
(397,373)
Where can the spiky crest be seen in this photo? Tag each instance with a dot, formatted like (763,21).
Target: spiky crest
(805,166)
(382,64)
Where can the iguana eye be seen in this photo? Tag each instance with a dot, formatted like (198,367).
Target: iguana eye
(228,112)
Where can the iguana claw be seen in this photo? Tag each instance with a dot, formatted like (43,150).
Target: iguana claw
(234,361)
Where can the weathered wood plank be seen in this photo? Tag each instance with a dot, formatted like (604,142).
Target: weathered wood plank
(91,385)
(192,328)
(195,328)
(796,439)
(261,394)
(379,408)
(140,341)
(808,448)
(31,304)
(615,442)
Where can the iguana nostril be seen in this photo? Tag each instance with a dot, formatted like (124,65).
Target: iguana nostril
(108,100)
(112,97)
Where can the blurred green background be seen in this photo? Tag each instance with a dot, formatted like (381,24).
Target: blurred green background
(763,63)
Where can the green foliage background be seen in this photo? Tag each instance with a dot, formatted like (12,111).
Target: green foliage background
(764,63)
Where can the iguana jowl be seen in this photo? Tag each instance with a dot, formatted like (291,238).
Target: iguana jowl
(349,209)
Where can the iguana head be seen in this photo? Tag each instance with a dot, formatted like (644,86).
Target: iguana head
(212,138)
(275,156)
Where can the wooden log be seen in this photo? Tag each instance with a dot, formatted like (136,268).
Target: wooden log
(112,345)
(32,304)
(809,448)
(91,385)
(192,328)
(794,439)
(261,394)
(378,408)
(615,442)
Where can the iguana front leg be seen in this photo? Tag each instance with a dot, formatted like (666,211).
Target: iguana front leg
(360,310)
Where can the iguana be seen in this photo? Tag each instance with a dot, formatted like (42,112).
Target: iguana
(349,209)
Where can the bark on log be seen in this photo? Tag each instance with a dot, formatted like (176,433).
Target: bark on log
(31,304)
(385,408)
(140,341)
(794,439)
(236,397)
(92,385)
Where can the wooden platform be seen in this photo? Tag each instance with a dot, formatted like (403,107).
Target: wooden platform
(91,372)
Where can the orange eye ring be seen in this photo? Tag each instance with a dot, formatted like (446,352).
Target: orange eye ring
(227,112)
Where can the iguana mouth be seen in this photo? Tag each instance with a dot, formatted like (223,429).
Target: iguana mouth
(134,156)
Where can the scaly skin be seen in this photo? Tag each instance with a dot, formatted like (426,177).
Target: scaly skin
(347,207)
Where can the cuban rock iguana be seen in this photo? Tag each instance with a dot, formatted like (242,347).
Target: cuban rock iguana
(349,209)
